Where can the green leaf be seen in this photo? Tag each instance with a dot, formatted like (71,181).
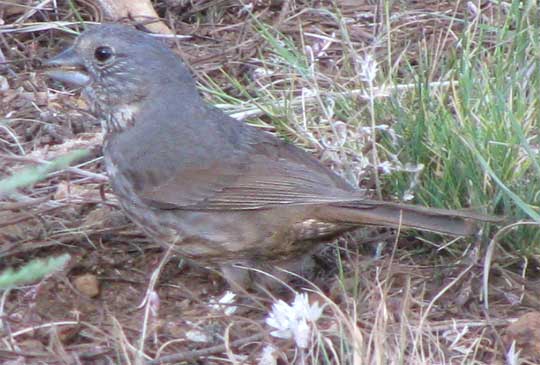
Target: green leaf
(32,271)
(32,175)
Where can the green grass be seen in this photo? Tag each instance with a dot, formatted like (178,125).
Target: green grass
(469,115)
(31,175)
(32,271)
(476,137)
(36,269)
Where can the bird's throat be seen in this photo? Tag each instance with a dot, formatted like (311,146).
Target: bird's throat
(119,118)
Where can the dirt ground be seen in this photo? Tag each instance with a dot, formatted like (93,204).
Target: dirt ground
(93,311)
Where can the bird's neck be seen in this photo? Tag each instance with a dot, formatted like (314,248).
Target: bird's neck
(176,103)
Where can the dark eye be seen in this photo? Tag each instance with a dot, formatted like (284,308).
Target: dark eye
(103,54)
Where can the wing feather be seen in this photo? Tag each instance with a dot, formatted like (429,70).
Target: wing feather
(259,182)
(236,167)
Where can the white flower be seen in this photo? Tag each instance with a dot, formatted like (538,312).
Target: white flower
(282,317)
(408,196)
(261,72)
(153,301)
(307,93)
(386,167)
(296,320)
(369,68)
(269,356)
(224,303)
(302,333)
(512,356)
(301,305)
(197,336)
(246,9)
(473,9)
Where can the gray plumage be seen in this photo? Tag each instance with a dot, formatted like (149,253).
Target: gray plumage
(221,191)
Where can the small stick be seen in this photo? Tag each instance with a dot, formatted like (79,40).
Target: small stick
(196,354)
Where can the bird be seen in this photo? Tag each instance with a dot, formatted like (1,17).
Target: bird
(222,193)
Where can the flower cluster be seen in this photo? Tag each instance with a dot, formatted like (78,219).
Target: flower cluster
(296,320)
(224,304)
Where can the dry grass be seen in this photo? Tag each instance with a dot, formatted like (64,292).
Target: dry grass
(295,68)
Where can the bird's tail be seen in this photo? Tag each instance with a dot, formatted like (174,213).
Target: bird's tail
(380,213)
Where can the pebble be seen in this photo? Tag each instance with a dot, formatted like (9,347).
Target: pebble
(87,284)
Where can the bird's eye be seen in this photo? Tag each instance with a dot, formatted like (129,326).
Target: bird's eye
(103,54)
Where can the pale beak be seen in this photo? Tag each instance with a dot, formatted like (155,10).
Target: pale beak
(67,67)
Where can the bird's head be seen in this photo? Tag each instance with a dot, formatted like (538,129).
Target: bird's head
(118,65)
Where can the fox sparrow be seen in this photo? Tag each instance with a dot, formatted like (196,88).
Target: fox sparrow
(221,191)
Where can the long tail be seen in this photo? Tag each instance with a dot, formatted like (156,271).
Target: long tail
(380,213)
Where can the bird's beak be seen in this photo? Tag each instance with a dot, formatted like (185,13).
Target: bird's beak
(67,67)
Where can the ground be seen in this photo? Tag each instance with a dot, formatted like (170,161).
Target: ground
(310,72)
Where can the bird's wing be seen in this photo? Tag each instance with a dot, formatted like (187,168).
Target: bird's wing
(260,172)
(262,185)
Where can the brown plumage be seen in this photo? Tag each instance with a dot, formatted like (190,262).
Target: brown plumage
(220,191)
